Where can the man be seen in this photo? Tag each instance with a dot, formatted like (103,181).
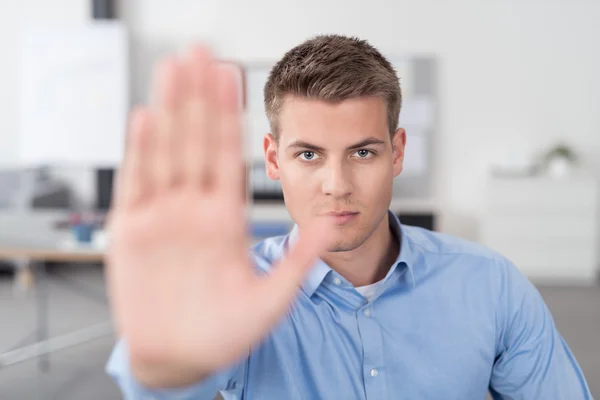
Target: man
(351,304)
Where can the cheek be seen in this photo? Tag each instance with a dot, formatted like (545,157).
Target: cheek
(374,180)
(296,180)
(290,173)
(378,171)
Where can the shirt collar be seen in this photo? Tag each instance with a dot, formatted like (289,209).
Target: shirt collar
(320,269)
(405,255)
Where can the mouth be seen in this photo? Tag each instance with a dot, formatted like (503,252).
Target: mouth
(342,217)
(340,213)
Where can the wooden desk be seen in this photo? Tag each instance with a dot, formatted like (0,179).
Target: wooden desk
(51,255)
(32,256)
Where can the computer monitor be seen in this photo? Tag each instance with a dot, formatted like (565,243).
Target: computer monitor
(104,188)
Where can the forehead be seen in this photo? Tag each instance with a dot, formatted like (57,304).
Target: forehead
(332,123)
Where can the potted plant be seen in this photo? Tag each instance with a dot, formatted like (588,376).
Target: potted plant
(559,160)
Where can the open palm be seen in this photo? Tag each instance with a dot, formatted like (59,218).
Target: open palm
(183,289)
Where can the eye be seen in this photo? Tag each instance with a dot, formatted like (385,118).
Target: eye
(308,155)
(364,153)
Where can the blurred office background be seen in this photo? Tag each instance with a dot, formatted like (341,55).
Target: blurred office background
(502,110)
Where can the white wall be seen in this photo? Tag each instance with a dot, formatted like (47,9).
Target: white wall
(512,72)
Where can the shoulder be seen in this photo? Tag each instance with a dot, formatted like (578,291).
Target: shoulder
(488,276)
(475,262)
(436,244)
(462,259)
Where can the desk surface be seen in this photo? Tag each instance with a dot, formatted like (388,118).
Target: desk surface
(39,241)
(46,248)
(55,255)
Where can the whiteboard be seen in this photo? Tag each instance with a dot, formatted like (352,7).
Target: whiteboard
(74,94)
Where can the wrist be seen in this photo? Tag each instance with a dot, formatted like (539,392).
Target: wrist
(165,376)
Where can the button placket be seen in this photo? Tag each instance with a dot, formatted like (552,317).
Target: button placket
(373,352)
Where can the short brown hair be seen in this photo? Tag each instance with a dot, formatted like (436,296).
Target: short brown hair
(332,68)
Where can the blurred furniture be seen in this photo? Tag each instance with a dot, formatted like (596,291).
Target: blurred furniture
(33,253)
(10,183)
(23,190)
(547,227)
(423,213)
(427,220)
(16,185)
(104,188)
(48,192)
(262,187)
(26,188)
(32,249)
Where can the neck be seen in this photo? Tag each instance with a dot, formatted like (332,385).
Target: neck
(370,262)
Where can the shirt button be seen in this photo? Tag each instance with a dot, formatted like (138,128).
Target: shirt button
(337,281)
(374,372)
(367,312)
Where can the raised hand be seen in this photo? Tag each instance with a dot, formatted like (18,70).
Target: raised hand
(183,290)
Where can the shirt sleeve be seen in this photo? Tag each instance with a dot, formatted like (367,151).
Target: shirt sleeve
(533,361)
(118,368)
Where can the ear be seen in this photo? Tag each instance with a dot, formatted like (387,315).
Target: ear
(398,145)
(271,159)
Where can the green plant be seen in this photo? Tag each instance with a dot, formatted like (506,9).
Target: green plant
(561,151)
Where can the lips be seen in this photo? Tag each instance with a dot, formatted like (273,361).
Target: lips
(342,217)
(340,213)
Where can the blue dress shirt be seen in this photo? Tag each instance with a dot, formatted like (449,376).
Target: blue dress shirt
(451,320)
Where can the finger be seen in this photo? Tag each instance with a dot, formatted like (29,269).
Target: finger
(230,170)
(275,293)
(201,114)
(132,183)
(169,86)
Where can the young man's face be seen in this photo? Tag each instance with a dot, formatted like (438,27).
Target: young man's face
(336,161)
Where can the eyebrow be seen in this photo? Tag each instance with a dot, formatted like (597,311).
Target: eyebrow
(305,145)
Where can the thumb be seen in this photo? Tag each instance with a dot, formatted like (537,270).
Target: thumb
(276,292)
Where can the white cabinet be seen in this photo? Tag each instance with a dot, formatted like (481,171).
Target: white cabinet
(547,227)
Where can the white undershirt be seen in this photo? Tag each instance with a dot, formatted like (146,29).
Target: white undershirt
(368,291)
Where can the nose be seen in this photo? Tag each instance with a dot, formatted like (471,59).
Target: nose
(337,182)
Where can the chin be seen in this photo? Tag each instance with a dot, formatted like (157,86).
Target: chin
(350,237)
(345,243)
